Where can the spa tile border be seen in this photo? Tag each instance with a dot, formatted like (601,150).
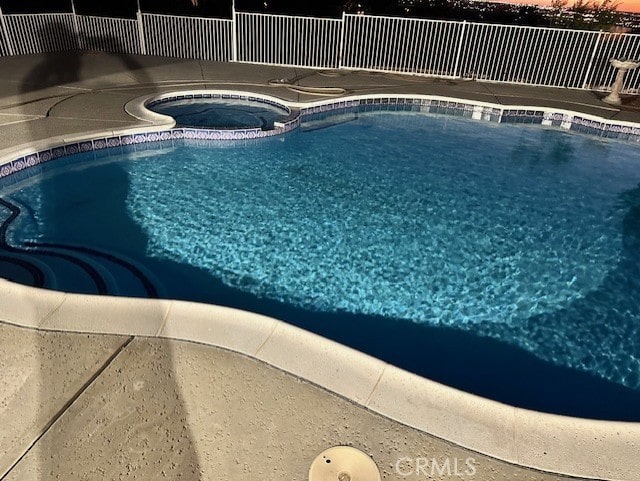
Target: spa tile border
(216,96)
(30,161)
(290,122)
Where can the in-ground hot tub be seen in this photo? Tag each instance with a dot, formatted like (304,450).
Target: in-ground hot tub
(222,112)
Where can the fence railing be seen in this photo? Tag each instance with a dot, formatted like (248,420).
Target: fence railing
(188,37)
(38,33)
(536,56)
(613,45)
(4,38)
(117,35)
(401,45)
(550,57)
(285,40)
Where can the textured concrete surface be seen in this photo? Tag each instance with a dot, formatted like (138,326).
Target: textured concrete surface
(175,410)
(40,373)
(600,449)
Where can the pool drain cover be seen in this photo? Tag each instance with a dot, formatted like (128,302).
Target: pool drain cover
(343,463)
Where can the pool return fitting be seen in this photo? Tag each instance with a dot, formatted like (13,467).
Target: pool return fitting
(343,463)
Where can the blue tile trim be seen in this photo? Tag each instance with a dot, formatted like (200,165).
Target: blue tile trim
(58,152)
(574,122)
(215,96)
(469,110)
(72,149)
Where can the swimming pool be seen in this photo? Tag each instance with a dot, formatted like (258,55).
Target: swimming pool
(475,254)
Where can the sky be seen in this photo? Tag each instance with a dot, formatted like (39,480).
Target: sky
(625,5)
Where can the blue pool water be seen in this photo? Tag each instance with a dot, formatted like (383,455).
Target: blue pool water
(222,113)
(502,260)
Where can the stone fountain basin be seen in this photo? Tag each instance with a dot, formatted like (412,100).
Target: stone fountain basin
(624,64)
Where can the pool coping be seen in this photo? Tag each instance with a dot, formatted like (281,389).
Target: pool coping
(565,445)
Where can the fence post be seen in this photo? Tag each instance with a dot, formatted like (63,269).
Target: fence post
(234,32)
(342,29)
(76,27)
(459,53)
(143,43)
(5,32)
(585,83)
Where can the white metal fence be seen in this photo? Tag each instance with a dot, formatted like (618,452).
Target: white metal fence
(41,33)
(4,39)
(117,35)
(537,56)
(3,44)
(285,40)
(188,37)
(498,53)
(613,45)
(401,45)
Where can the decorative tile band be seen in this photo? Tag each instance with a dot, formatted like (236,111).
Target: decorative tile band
(478,111)
(32,160)
(499,114)
(216,96)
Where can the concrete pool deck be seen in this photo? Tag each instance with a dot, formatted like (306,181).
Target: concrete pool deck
(109,406)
